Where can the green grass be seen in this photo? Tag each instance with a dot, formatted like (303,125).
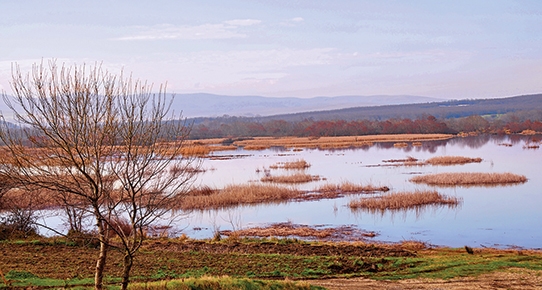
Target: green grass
(456,263)
(223,283)
(24,278)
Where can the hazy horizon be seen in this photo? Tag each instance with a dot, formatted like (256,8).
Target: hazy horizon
(457,50)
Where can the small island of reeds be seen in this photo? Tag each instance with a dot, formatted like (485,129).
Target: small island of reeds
(469,178)
(403,200)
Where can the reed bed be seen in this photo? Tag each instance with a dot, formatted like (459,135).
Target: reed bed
(452,160)
(406,160)
(346,187)
(293,165)
(400,144)
(256,147)
(210,141)
(338,142)
(291,178)
(234,195)
(404,200)
(288,229)
(283,230)
(196,150)
(469,178)
(417,144)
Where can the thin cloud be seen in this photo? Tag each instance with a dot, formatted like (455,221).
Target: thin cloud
(224,30)
(243,22)
(293,21)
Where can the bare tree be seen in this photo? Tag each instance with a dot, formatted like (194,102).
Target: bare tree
(99,141)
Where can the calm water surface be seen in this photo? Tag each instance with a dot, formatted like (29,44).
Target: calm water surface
(504,216)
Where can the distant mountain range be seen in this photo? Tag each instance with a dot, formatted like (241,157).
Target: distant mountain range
(209,105)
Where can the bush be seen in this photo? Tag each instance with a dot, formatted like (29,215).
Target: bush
(19,223)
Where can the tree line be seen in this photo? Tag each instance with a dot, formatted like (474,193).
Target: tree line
(226,127)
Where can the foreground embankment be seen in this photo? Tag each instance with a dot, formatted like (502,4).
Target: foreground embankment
(48,262)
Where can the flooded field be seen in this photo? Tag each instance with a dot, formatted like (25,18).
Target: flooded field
(492,216)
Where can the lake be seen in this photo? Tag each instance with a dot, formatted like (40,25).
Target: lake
(501,216)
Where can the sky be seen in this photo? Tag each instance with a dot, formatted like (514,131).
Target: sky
(288,48)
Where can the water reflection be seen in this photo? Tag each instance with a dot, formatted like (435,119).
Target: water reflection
(512,212)
(419,211)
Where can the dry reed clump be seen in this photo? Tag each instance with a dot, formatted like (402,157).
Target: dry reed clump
(291,178)
(469,178)
(528,132)
(452,160)
(222,147)
(293,165)
(400,144)
(336,190)
(204,190)
(233,195)
(283,230)
(256,147)
(404,200)
(196,150)
(289,229)
(337,142)
(408,159)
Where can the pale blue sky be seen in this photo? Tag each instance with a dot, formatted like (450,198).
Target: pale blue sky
(443,49)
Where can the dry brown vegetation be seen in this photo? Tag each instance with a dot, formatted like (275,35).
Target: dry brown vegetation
(289,229)
(204,149)
(469,178)
(408,159)
(293,165)
(439,160)
(232,195)
(291,178)
(208,198)
(400,144)
(256,147)
(337,142)
(404,200)
(336,190)
(452,160)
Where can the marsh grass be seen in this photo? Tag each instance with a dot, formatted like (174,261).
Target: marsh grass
(291,178)
(438,160)
(469,178)
(337,190)
(284,230)
(196,150)
(256,147)
(408,159)
(337,142)
(289,230)
(400,144)
(293,165)
(404,200)
(452,160)
(234,195)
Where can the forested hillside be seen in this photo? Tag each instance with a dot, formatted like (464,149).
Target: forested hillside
(441,110)
(506,115)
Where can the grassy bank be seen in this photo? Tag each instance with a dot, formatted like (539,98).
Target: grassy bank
(55,262)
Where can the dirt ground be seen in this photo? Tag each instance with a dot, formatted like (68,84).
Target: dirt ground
(229,258)
(512,279)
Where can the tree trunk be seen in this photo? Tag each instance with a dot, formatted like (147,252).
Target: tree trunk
(100,264)
(128,262)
